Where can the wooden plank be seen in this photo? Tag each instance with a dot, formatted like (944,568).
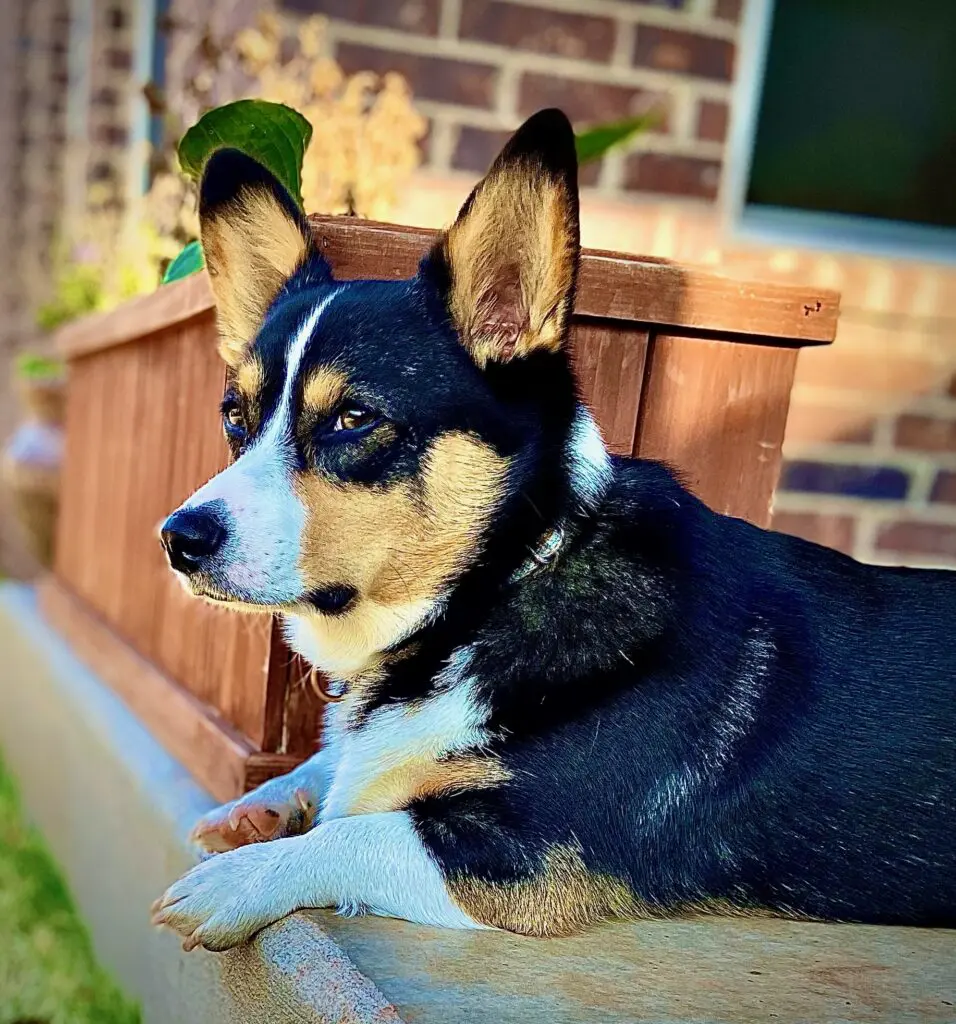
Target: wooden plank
(608,360)
(611,285)
(260,767)
(637,288)
(293,713)
(213,752)
(169,305)
(716,411)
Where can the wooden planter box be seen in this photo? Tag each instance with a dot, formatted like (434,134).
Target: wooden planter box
(677,363)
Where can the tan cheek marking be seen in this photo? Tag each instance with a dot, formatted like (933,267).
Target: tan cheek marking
(420,776)
(251,248)
(563,899)
(382,542)
(516,221)
(323,391)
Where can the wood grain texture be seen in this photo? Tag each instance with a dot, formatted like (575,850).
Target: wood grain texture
(611,285)
(169,305)
(293,711)
(608,360)
(143,432)
(213,752)
(716,411)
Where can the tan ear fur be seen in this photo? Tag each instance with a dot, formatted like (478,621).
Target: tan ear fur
(508,265)
(251,246)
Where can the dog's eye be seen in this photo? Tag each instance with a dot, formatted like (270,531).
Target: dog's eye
(233,419)
(353,418)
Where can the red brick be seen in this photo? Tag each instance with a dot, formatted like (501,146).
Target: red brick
(712,121)
(588,102)
(541,31)
(119,60)
(926,433)
(944,487)
(672,175)
(853,371)
(909,536)
(808,423)
(431,78)
(477,148)
(685,53)
(420,16)
(829,530)
(110,134)
(729,10)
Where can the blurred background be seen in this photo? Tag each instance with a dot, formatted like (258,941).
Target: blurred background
(802,140)
(806,140)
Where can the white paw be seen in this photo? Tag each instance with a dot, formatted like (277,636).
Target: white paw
(275,810)
(225,900)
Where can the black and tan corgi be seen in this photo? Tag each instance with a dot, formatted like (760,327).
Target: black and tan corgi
(569,691)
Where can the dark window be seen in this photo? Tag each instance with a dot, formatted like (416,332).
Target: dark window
(858,110)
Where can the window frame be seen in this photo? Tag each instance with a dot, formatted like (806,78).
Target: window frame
(786,227)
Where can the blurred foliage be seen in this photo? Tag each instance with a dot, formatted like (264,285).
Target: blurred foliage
(189,261)
(111,253)
(47,969)
(30,366)
(593,143)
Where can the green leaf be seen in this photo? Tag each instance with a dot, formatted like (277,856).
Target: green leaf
(595,142)
(189,261)
(271,133)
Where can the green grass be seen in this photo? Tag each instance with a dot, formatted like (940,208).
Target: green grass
(48,974)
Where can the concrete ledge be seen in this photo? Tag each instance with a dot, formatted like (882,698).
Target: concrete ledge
(116,810)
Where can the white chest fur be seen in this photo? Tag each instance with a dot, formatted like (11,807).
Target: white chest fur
(394,754)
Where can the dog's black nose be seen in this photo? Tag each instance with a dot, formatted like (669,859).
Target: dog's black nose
(191,537)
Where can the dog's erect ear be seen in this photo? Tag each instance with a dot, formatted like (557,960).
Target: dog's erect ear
(254,237)
(507,267)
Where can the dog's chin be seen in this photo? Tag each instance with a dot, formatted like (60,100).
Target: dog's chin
(330,600)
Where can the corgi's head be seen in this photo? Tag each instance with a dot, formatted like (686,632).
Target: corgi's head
(388,436)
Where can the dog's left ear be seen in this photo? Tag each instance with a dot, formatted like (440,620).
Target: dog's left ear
(254,238)
(507,267)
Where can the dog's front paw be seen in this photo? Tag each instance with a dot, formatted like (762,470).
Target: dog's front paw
(225,900)
(275,810)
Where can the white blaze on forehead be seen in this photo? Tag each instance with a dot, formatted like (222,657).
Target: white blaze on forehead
(278,430)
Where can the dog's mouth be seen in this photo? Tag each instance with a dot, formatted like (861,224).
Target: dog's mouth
(334,599)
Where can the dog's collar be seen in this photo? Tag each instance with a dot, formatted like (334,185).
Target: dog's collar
(542,554)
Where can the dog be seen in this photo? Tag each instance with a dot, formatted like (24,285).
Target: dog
(568,690)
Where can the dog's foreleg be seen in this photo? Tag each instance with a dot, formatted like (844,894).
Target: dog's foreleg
(281,807)
(371,862)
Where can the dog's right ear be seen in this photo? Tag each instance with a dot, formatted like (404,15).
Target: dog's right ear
(254,238)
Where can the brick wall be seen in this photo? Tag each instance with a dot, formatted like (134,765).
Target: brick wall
(63,122)
(478,67)
(33,75)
